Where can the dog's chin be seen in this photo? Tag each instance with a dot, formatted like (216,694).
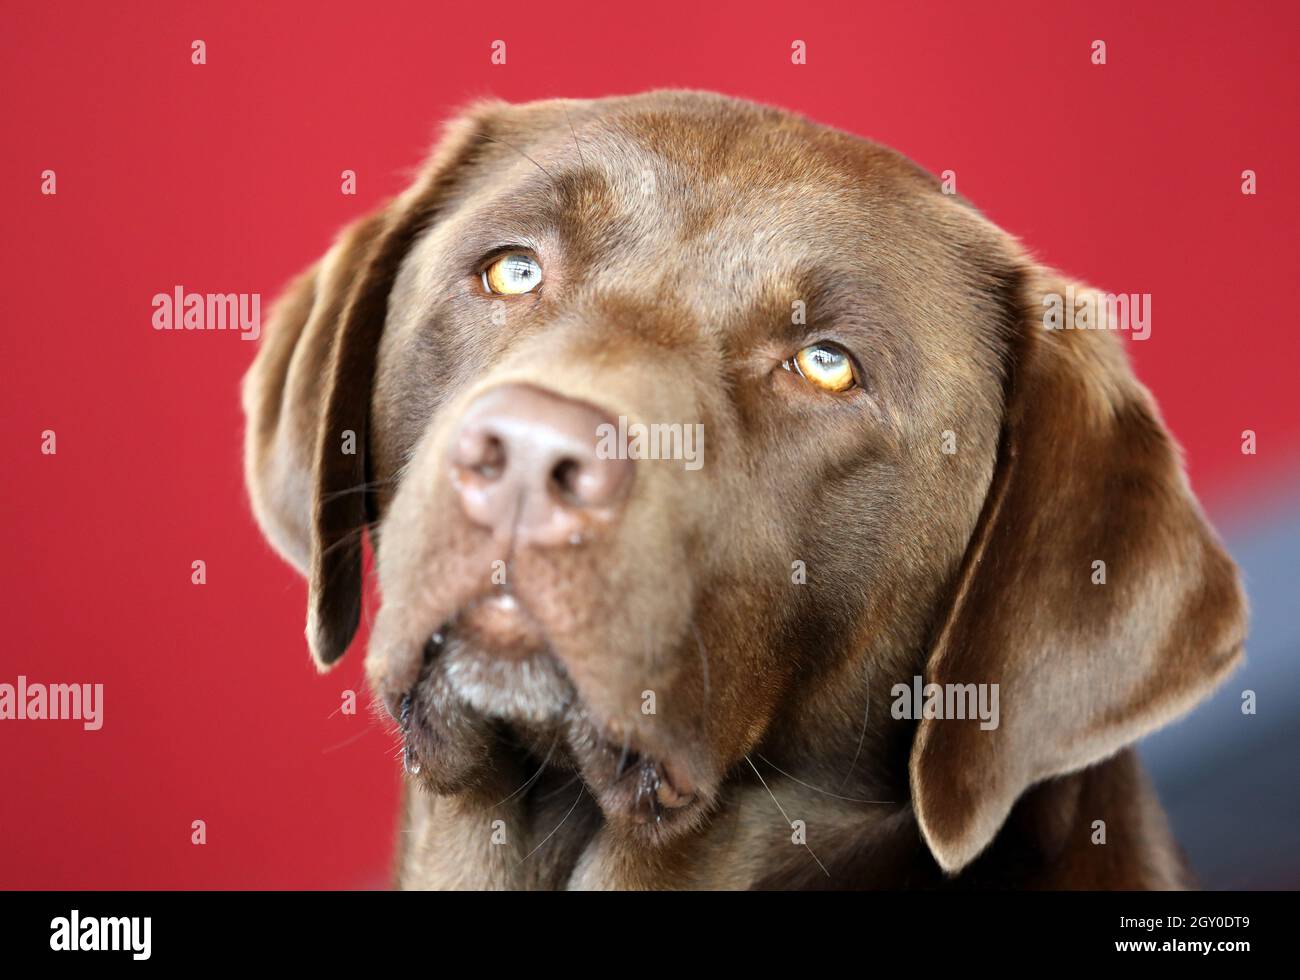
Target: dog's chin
(498,664)
(492,682)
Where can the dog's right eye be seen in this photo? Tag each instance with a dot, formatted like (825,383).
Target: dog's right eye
(512,274)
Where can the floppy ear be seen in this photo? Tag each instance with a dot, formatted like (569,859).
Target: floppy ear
(1086,473)
(307,395)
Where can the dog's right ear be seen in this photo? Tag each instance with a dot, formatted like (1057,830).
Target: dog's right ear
(307,395)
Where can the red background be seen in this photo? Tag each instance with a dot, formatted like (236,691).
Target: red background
(225,178)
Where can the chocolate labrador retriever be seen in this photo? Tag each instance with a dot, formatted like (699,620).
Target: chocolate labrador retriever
(741,518)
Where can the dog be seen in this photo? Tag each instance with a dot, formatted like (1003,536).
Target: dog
(613,669)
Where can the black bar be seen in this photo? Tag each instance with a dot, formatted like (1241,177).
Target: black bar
(480,931)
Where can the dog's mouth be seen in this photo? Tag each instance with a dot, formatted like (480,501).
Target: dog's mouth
(492,661)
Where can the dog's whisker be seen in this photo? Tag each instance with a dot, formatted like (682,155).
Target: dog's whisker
(623,756)
(348,537)
(816,789)
(782,809)
(576,145)
(346,742)
(582,788)
(862,736)
(558,790)
(494,139)
(704,668)
(533,778)
(359,488)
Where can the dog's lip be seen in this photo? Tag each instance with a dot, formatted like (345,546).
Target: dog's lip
(672,790)
(498,623)
(642,783)
(676,789)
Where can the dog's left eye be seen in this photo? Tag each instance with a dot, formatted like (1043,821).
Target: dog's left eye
(512,274)
(825,365)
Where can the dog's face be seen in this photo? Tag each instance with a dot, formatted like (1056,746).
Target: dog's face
(878,466)
(734,275)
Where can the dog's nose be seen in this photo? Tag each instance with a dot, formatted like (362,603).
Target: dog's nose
(525,464)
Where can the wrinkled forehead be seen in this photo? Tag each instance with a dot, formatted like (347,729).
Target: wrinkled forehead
(708,207)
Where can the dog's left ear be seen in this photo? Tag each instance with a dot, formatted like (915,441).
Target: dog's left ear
(1093,592)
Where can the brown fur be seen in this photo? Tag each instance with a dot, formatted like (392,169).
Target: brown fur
(676,230)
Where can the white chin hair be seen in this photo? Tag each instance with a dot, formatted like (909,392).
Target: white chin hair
(529,690)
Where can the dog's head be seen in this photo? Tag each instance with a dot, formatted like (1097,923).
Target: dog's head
(878,461)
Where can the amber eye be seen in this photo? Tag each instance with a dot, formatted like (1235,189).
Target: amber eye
(825,365)
(512,273)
